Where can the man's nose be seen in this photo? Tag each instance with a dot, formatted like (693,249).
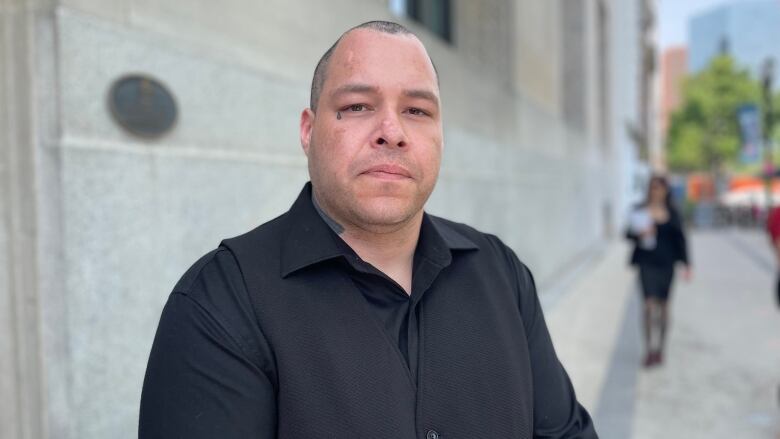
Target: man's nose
(390,132)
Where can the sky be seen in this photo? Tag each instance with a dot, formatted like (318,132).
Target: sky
(673,16)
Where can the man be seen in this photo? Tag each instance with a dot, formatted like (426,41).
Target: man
(773,228)
(356,314)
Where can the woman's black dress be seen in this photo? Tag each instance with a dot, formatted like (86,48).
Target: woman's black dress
(656,266)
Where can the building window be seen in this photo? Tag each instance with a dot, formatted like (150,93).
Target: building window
(435,15)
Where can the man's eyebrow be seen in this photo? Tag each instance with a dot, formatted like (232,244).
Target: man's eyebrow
(355,88)
(422,94)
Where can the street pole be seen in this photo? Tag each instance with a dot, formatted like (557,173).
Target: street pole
(769,168)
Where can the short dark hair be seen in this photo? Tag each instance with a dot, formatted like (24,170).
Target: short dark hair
(320,72)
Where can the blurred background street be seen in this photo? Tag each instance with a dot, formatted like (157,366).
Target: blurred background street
(720,378)
(135,135)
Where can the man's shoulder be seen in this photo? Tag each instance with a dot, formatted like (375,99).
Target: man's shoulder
(265,234)
(223,258)
(494,257)
(218,259)
(488,243)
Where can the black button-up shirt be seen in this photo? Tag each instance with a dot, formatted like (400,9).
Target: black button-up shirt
(211,362)
(392,305)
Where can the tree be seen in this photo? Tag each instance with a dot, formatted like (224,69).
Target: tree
(704,132)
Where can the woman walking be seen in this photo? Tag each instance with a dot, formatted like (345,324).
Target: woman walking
(659,243)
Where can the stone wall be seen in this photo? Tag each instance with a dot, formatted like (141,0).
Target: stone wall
(97,225)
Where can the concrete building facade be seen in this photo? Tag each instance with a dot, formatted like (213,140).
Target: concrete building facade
(96,224)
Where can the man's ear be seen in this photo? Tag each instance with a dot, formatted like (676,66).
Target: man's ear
(307,126)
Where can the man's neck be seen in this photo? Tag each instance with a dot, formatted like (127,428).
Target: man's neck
(392,253)
(390,250)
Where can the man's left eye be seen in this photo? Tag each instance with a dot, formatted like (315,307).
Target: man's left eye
(417,112)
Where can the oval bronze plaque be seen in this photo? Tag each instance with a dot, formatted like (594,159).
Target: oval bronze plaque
(142,105)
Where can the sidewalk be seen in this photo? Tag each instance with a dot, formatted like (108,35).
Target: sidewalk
(722,371)
(585,321)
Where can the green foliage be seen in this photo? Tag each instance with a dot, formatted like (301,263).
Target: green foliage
(704,132)
(691,155)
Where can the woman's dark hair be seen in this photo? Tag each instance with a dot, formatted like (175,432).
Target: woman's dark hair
(660,179)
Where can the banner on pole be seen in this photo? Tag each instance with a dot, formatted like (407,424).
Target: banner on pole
(749,118)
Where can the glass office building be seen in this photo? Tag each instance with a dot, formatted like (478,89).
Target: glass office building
(747,30)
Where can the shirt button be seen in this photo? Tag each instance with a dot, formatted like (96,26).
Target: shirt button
(432,435)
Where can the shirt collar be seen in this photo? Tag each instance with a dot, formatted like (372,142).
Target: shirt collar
(309,240)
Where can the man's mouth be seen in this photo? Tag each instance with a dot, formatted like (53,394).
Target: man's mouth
(388,172)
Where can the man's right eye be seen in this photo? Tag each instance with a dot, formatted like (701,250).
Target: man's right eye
(355,107)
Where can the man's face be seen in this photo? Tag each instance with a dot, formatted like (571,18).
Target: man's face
(375,167)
